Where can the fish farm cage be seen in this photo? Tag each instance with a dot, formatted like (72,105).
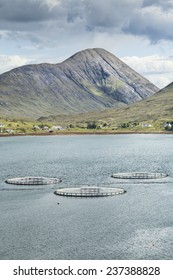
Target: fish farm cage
(92,191)
(33,181)
(139,175)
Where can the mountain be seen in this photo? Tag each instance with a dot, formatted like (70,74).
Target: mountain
(156,109)
(90,80)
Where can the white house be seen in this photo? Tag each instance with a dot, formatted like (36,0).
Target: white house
(37,127)
(45,128)
(10,131)
(56,127)
(146,125)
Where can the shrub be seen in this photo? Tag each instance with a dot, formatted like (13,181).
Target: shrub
(91,125)
(124,125)
(168,126)
(105,124)
(21,129)
(71,126)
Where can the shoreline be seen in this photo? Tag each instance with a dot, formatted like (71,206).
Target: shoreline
(86,133)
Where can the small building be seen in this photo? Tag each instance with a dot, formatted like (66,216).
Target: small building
(10,131)
(45,128)
(146,125)
(56,127)
(36,127)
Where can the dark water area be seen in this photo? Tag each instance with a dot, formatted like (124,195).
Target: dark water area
(37,224)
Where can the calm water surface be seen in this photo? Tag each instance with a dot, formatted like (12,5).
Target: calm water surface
(136,225)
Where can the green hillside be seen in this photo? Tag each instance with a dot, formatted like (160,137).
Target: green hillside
(146,115)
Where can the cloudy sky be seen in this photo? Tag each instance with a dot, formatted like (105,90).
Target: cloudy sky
(137,31)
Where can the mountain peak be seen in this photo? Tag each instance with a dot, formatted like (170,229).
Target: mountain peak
(91,53)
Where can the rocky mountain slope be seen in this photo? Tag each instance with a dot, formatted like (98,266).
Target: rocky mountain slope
(157,108)
(90,80)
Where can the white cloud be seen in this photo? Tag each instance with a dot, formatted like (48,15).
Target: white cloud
(157,69)
(153,22)
(9,62)
(52,3)
(150,64)
(159,80)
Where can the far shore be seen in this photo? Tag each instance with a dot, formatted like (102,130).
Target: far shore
(85,133)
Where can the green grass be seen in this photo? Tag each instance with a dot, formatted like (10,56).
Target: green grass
(21,126)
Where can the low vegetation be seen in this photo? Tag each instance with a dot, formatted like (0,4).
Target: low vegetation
(13,127)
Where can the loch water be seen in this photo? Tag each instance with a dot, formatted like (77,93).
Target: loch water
(37,224)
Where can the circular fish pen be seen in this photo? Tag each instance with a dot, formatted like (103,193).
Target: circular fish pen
(33,181)
(89,192)
(139,175)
